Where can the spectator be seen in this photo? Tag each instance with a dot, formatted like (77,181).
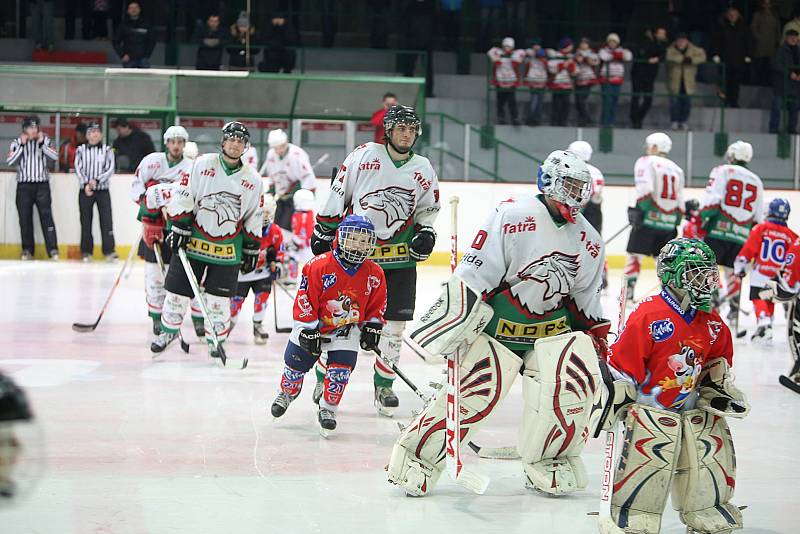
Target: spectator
(794,23)
(66,153)
(785,83)
(389,100)
(505,78)
(765,30)
(242,33)
(209,51)
(97,21)
(536,80)
(378,23)
(649,56)
(732,46)
(94,166)
(489,12)
(419,17)
(131,145)
(329,22)
(71,11)
(562,68)
(612,75)
(278,57)
(30,152)
(682,60)
(450,17)
(42,23)
(586,61)
(134,40)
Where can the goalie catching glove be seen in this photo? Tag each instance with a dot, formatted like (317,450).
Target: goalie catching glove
(718,395)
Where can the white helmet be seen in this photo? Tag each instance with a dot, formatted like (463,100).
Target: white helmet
(277,138)
(190,151)
(564,178)
(304,200)
(739,151)
(660,140)
(176,132)
(269,208)
(582,149)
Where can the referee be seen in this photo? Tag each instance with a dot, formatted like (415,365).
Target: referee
(94,166)
(29,152)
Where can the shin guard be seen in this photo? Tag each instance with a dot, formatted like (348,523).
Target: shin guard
(219,311)
(154,289)
(173,312)
(390,344)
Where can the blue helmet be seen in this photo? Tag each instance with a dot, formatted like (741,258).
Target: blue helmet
(778,210)
(355,239)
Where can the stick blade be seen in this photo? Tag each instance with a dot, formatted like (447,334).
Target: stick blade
(82,327)
(499,453)
(473,481)
(283,330)
(789,383)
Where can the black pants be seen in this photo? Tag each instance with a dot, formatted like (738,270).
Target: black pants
(86,206)
(37,193)
(506,99)
(559,112)
(284,210)
(401,293)
(581,96)
(217,280)
(733,80)
(640,103)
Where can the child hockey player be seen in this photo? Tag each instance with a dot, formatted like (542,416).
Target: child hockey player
(340,301)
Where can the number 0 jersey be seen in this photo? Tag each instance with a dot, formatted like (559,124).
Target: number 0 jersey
(659,191)
(733,203)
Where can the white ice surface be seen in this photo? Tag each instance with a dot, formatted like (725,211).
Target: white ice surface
(178,445)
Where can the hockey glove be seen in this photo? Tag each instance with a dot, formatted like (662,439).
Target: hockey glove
(178,236)
(370,336)
(322,239)
(249,260)
(152,231)
(635,217)
(718,395)
(311,340)
(271,255)
(422,244)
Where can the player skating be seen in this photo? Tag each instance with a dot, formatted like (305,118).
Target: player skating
(731,206)
(399,192)
(532,275)
(659,205)
(261,279)
(674,358)
(299,251)
(339,307)
(162,169)
(216,216)
(766,248)
(287,169)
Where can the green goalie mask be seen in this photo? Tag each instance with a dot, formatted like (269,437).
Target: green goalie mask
(690,266)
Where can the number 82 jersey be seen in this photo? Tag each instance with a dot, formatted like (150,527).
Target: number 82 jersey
(733,203)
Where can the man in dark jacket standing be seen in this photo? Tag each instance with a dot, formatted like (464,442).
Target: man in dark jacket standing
(131,145)
(732,45)
(647,57)
(785,83)
(134,40)
(211,39)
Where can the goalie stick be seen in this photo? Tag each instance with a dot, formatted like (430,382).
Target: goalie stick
(160,262)
(793,330)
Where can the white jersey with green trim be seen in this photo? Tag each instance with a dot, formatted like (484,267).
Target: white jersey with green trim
(289,173)
(155,169)
(733,202)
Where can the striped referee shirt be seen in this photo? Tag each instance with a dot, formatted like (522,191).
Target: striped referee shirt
(31,159)
(94,162)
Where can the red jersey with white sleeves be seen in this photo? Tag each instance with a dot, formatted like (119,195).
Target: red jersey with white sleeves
(338,300)
(271,236)
(302,228)
(766,247)
(791,266)
(662,351)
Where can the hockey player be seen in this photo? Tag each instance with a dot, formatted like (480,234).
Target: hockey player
(693,224)
(594,208)
(673,361)
(524,298)
(659,205)
(302,230)
(399,192)
(340,302)
(158,169)
(732,205)
(766,248)
(261,279)
(216,216)
(20,441)
(287,169)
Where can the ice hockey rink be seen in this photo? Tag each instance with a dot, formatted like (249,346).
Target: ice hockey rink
(178,444)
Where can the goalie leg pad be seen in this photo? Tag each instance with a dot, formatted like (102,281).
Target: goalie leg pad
(458,316)
(154,288)
(487,371)
(645,468)
(561,386)
(705,475)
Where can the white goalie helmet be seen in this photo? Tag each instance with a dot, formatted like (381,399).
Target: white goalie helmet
(303,200)
(277,138)
(739,151)
(582,149)
(269,208)
(190,151)
(565,179)
(176,132)
(660,140)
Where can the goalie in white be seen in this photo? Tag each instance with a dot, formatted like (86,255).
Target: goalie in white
(524,297)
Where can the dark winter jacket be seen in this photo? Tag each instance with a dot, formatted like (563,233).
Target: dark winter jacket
(130,150)
(642,72)
(785,61)
(209,51)
(732,42)
(135,38)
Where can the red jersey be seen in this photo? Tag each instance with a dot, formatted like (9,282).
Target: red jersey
(335,299)
(664,350)
(270,237)
(693,227)
(302,228)
(791,266)
(766,247)
(377,122)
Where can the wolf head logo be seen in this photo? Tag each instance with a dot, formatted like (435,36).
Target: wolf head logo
(556,271)
(226,206)
(396,203)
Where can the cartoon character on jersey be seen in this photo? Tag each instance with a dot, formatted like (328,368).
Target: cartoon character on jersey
(343,311)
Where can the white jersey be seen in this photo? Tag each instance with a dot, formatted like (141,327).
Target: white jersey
(289,173)
(155,169)
(396,199)
(250,157)
(659,191)
(541,278)
(597,184)
(733,203)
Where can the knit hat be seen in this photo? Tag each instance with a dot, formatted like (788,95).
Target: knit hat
(508,42)
(613,37)
(564,43)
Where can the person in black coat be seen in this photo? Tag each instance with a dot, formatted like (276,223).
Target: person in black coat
(278,37)
(786,83)
(210,40)
(732,44)
(647,57)
(131,145)
(135,40)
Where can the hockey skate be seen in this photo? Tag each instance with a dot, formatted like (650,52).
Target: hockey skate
(260,335)
(763,335)
(199,328)
(385,401)
(162,341)
(317,395)
(327,421)
(281,404)
(156,326)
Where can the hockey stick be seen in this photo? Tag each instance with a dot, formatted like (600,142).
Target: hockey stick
(160,262)
(617,234)
(793,330)
(90,327)
(402,376)
(278,329)
(215,342)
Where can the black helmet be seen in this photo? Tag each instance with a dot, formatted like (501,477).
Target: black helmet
(235,129)
(13,402)
(31,120)
(398,114)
